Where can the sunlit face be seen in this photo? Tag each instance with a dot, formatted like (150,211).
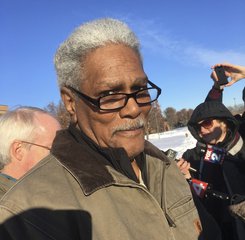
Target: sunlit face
(212,131)
(113,69)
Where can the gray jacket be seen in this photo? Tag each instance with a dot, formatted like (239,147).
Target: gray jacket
(6,183)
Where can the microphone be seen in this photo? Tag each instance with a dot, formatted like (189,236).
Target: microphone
(172,154)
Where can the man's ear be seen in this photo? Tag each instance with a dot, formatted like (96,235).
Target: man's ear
(17,151)
(69,102)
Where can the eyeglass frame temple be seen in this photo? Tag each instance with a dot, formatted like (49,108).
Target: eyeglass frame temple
(35,144)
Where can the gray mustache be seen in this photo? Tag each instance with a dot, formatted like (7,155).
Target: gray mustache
(130,125)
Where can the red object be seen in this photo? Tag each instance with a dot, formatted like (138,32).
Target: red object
(199,187)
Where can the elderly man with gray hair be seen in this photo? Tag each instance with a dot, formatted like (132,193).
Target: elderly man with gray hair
(26,134)
(103,180)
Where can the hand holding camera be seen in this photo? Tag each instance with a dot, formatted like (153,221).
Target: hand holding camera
(223,71)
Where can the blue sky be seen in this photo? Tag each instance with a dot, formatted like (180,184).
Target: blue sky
(180,41)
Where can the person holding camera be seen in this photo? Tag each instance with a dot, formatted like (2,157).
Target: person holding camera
(236,73)
(219,157)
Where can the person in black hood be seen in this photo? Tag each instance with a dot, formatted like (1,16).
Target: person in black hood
(219,158)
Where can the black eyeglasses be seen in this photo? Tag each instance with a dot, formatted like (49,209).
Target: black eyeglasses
(35,144)
(117,101)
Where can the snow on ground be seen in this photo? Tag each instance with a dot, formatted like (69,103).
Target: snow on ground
(179,140)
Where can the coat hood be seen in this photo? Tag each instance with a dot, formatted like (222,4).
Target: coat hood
(211,109)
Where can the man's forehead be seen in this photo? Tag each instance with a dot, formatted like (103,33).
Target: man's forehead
(135,81)
(121,82)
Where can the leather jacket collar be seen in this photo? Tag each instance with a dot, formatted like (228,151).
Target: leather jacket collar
(87,161)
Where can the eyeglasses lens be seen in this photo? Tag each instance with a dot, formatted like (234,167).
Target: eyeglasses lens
(115,101)
(208,123)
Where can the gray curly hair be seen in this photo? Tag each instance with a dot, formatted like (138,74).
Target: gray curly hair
(70,55)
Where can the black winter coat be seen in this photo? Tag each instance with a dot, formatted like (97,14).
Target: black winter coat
(227,178)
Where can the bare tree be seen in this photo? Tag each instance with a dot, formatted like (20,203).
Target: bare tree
(236,109)
(171,117)
(183,117)
(59,111)
(156,120)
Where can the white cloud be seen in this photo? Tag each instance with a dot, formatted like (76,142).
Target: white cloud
(209,57)
(183,51)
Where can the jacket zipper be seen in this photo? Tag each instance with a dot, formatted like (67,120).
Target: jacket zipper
(170,221)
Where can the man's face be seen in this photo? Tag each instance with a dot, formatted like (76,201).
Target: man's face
(113,69)
(212,131)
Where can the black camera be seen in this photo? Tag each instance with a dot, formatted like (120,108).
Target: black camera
(222,78)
